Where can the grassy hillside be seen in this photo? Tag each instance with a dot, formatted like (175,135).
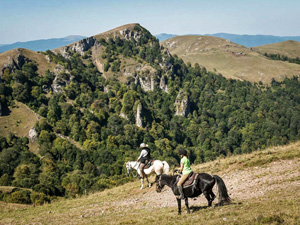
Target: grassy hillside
(19,122)
(42,63)
(230,59)
(290,49)
(256,182)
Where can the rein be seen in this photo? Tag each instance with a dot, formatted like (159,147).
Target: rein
(130,169)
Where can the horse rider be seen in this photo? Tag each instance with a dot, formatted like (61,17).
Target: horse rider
(185,169)
(144,158)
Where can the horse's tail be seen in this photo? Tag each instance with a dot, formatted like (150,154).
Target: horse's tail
(223,194)
(166,167)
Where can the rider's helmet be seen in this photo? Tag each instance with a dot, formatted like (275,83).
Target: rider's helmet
(143,145)
(182,152)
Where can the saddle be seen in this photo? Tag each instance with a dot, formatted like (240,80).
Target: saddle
(190,181)
(149,164)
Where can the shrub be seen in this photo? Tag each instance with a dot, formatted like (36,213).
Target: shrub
(38,198)
(22,197)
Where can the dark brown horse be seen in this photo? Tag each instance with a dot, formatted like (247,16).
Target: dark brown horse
(204,183)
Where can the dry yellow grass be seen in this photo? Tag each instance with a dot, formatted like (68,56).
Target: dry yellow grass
(39,58)
(20,120)
(230,59)
(287,48)
(257,182)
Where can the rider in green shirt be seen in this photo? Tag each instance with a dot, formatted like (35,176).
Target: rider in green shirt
(185,169)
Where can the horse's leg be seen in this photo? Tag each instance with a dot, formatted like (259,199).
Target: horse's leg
(149,184)
(142,183)
(179,206)
(212,195)
(207,196)
(187,204)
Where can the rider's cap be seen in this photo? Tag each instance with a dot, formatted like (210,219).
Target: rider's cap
(143,145)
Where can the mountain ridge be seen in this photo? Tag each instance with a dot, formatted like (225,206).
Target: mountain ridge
(42,44)
(242,39)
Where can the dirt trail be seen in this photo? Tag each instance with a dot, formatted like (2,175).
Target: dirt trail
(245,184)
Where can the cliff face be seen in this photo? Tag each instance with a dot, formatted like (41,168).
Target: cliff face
(141,72)
(182,104)
(78,47)
(138,118)
(12,60)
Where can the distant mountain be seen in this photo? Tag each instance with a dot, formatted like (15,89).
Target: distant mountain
(246,40)
(254,40)
(164,36)
(42,45)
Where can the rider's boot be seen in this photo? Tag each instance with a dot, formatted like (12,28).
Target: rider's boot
(181,196)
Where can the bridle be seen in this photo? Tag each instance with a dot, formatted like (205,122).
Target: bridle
(129,170)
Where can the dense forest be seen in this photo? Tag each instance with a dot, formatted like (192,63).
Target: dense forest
(226,117)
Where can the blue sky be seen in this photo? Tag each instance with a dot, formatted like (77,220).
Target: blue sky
(24,20)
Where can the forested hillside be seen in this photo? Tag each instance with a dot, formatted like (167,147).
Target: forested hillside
(92,120)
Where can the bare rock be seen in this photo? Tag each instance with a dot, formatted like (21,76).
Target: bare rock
(33,135)
(182,104)
(138,118)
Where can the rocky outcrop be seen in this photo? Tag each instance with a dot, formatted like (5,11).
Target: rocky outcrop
(78,47)
(83,45)
(167,65)
(163,84)
(62,78)
(128,34)
(13,63)
(138,118)
(33,135)
(146,82)
(182,104)
(123,115)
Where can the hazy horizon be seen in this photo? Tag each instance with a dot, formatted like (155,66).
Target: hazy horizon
(34,20)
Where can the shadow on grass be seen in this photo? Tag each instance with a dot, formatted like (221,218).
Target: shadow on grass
(5,110)
(198,208)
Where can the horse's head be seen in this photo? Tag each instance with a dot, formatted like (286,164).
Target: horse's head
(159,185)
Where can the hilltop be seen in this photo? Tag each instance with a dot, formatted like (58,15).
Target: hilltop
(256,182)
(241,39)
(289,48)
(15,59)
(229,59)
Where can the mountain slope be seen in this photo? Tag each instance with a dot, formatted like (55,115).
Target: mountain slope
(110,92)
(42,45)
(246,40)
(290,49)
(230,59)
(256,182)
(15,59)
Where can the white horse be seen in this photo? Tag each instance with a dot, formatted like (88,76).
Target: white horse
(159,167)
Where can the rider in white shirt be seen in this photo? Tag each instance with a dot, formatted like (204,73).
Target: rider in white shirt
(144,158)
